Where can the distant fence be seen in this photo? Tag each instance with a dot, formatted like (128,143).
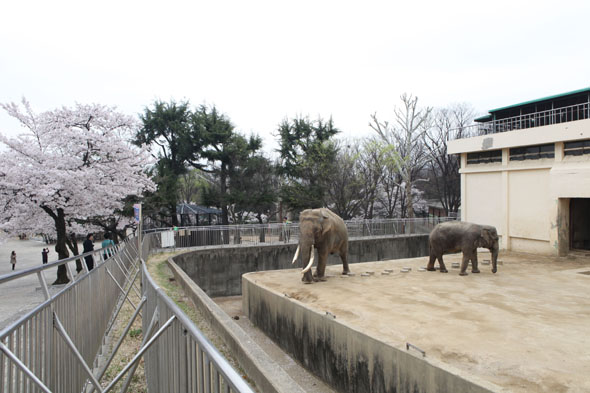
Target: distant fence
(275,233)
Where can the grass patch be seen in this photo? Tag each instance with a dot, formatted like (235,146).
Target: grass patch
(128,349)
(158,269)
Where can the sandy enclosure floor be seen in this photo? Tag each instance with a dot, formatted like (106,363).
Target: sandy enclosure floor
(526,328)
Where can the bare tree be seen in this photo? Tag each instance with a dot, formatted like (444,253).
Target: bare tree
(346,189)
(406,137)
(371,166)
(448,124)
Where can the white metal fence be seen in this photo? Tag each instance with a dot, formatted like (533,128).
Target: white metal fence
(53,347)
(530,120)
(182,359)
(275,233)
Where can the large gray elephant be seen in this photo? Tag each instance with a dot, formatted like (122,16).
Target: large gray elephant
(324,231)
(454,236)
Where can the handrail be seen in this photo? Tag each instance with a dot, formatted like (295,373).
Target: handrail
(280,224)
(53,345)
(33,270)
(561,115)
(230,376)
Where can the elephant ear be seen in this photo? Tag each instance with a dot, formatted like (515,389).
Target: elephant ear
(487,237)
(327,223)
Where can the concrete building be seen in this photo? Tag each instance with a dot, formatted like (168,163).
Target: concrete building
(528,173)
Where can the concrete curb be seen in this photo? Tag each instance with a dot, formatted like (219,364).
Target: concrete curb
(256,363)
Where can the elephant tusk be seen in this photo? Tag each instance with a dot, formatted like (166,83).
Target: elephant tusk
(296,255)
(310,262)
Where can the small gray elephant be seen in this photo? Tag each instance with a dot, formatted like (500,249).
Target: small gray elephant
(454,236)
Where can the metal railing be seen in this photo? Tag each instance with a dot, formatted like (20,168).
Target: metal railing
(53,347)
(182,359)
(276,233)
(530,120)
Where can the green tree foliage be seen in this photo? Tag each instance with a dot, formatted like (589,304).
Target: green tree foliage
(254,188)
(167,131)
(308,156)
(225,151)
(347,189)
(193,184)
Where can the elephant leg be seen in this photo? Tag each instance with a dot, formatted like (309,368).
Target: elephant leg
(474,268)
(431,261)
(344,257)
(307,277)
(443,268)
(321,269)
(464,264)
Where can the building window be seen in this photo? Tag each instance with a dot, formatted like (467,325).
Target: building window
(532,152)
(484,157)
(576,148)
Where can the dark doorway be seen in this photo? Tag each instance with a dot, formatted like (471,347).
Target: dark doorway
(580,223)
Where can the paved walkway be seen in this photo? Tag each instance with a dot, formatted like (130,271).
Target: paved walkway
(23,294)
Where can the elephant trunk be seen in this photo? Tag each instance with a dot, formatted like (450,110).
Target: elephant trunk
(310,264)
(494,252)
(306,253)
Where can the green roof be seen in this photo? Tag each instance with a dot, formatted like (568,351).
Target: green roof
(483,118)
(585,90)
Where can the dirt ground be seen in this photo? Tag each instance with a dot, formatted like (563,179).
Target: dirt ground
(525,328)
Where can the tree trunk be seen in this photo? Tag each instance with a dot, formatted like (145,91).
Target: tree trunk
(174,216)
(224,210)
(73,245)
(60,247)
(410,204)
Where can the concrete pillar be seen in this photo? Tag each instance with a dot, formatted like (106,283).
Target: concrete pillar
(558,151)
(563,226)
(463,187)
(505,230)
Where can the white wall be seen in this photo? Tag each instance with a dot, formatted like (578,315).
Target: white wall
(522,198)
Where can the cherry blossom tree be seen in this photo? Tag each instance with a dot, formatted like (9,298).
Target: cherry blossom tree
(69,164)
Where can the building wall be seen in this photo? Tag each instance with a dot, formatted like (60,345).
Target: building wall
(527,201)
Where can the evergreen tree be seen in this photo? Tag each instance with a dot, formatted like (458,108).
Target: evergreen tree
(167,131)
(308,155)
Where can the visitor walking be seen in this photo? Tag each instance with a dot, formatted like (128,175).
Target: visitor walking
(106,243)
(44,255)
(13,259)
(89,246)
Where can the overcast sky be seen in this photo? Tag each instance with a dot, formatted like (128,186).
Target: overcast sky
(262,61)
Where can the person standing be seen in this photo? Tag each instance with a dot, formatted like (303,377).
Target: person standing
(89,246)
(44,255)
(286,229)
(13,259)
(105,243)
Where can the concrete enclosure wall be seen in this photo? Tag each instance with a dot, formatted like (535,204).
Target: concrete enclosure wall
(346,359)
(219,271)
